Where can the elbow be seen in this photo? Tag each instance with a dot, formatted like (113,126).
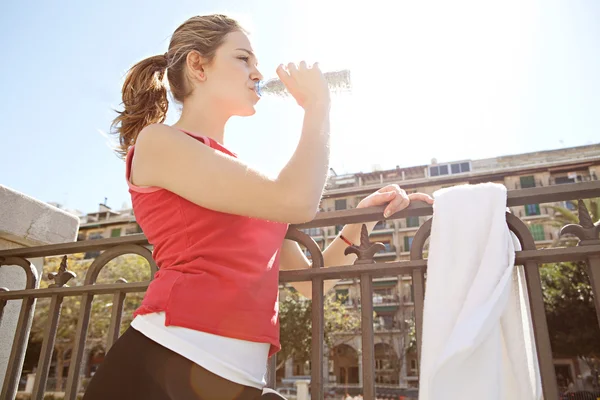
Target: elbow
(300,206)
(302,213)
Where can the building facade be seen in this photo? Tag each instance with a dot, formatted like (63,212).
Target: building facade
(396,362)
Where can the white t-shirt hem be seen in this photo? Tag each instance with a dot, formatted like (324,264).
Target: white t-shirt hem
(212,352)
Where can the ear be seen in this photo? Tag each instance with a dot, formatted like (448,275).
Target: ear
(195,65)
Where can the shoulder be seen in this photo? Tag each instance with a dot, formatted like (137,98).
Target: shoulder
(158,139)
(154,132)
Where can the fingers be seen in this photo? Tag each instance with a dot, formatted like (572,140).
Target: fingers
(400,202)
(283,74)
(421,197)
(305,83)
(292,70)
(395,198)
(390,188)
(401,199)
(378,199)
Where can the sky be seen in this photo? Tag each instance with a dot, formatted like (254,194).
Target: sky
(455,80)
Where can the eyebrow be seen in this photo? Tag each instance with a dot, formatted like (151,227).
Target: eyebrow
(250,53)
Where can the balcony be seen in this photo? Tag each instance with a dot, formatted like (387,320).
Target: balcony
(384,327)
(383,227)
(388,251)
(315,233)
(385,300)
(111,248)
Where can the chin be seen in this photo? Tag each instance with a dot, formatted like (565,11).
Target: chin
(246,112)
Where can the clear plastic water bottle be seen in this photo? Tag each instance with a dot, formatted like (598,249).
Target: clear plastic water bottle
(338,81)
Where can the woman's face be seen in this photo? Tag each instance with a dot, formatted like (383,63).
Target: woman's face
(230,78)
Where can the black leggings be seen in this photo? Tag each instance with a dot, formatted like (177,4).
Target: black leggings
(136,367)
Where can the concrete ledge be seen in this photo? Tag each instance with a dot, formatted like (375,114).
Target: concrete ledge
(26,222)
(30,222)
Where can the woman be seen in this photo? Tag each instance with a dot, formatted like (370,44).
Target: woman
(209,319)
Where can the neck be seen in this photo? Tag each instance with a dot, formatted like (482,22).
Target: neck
(201,117)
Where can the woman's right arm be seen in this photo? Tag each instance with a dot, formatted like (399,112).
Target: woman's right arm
(181,164)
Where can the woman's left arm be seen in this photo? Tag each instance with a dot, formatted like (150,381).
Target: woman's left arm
(292,256)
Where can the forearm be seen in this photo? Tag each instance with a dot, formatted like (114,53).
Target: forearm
(305,174)
(333,256)
(395,200)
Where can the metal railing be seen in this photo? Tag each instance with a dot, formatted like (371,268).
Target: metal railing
(364,268)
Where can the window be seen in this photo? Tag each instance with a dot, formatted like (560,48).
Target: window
(388,248)
(569,205)
(538,232)
(341,295)
(456,168)
(380,225)
(93,254)
(115,232)
(412,222)
(408,242)
(413,365)
(340,204)
(389,322)
(527,182)
(313,231)
(563,179)
(438,170)
(532,209)
(133,229)
(460,167)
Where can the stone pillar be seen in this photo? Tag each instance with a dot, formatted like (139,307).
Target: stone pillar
(26,222)
(302,389)
(30,383)
(403,374)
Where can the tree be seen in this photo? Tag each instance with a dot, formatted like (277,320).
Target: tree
(564,216)
(129,267)
(571,313)
(296,323)
(404,333)
(295,318)
(568,296)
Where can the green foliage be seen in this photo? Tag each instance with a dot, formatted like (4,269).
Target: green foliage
(570,310)
(296,323)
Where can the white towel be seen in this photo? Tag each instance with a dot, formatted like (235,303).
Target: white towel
(477,333)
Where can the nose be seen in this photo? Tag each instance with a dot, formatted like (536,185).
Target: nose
(255,75)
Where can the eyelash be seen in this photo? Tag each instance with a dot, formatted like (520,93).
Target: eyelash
(245,59)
